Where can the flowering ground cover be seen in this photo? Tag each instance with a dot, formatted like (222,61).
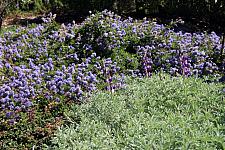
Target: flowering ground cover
(47,67)
(156,113)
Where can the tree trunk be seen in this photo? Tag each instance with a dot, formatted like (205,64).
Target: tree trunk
(1,21)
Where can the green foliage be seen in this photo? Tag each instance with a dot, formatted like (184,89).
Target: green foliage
(23,127)
(8,29)
(157,113)
(38,5)
(166,114)
(210,11)
(106,42)
(36,127)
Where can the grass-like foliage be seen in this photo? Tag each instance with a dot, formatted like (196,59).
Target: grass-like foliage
(156,113)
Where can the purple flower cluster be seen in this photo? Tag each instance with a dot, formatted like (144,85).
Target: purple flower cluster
(108,72)
(146,60)
(157,46)
(69,62)
(23,85)
(37,63)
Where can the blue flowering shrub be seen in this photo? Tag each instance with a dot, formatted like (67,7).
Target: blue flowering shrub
(144,47)
(41,75)
(46,67)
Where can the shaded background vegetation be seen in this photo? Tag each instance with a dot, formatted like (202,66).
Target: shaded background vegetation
(207,14)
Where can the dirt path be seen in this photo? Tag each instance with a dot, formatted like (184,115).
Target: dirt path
(22,19)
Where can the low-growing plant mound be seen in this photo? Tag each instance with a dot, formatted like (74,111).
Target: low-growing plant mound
(156,113)
(47,67)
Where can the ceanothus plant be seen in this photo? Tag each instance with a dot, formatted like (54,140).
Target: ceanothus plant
(34,66)
(46,67)
(108,34)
